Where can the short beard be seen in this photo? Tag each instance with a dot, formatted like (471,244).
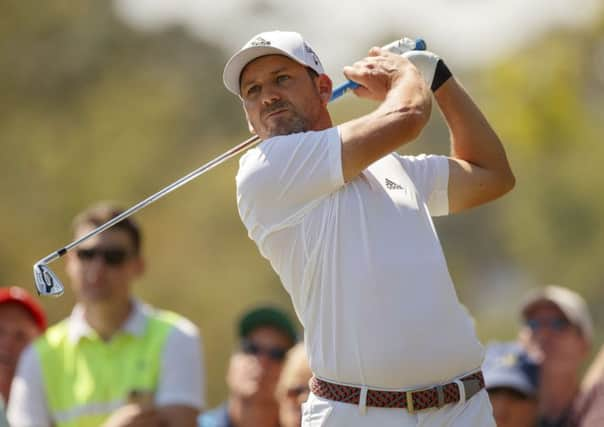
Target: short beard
(295,123)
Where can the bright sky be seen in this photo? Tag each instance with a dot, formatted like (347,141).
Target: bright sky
(465,32)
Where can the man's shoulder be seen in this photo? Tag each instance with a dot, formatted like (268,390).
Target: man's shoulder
(267,162)
(171,320)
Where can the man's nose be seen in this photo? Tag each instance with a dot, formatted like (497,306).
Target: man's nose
(270,96)
(95,267)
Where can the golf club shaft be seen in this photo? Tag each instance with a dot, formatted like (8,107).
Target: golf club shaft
(250,142)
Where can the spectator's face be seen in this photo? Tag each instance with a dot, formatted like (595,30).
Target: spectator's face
(102,269)
(280,98)
(551,338)
(254,370)
(511,409)
(294,394)
(17,330)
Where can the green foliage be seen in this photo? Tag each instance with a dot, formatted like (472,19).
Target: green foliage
(540,100)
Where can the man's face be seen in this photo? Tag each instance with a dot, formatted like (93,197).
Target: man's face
(254,370)
(511,409)
(280,97)
(102,269)
(552,339)
(17,330)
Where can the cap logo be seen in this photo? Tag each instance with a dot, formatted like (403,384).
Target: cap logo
(308,49)
(259,41)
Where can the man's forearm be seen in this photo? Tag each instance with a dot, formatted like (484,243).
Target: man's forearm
(479,169)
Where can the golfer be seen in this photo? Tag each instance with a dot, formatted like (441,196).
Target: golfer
(346,223)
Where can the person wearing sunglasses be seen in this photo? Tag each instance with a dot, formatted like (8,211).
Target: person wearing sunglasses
(557,331)
(292,389)
(115,361)
(265,335)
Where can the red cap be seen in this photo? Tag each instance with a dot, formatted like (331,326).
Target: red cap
(21,296)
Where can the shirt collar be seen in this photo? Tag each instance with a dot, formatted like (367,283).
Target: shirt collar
(134,324)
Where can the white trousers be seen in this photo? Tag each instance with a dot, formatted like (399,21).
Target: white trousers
(320,412)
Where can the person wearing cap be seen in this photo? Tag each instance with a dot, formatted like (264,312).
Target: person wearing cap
(557,331)
(510,377)
(346,224)
(265,335)
(115,361)
(22,319)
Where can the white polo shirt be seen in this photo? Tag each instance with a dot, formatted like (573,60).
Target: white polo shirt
(361,260)
(181,378)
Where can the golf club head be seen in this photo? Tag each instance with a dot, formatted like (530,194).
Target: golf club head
(47,283)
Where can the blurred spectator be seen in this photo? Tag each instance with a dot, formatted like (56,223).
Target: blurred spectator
(591,406)
(266,334)
(510,377)
(21,321)
(115,361)
(292,389)
(590,410)
(557,332)
(595,373)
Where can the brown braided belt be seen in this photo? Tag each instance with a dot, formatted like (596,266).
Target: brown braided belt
(415,400)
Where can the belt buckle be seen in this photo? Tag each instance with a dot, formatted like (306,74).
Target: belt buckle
(409,397)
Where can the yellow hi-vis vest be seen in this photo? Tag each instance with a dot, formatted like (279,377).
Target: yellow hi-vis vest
(85,381)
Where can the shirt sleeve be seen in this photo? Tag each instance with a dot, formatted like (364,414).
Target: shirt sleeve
(285,176)
(430,174)
(182,377)
(27,405)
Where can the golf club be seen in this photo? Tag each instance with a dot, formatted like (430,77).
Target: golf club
(48,284)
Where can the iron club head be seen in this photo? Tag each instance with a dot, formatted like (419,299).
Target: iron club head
(47,283)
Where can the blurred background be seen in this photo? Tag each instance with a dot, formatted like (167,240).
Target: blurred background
(114,100)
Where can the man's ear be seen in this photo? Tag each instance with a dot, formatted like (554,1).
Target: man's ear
(324,86)
(140,266)
(247,119)
(251,128)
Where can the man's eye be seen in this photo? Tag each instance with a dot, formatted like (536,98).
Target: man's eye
(252,90)
(282,78)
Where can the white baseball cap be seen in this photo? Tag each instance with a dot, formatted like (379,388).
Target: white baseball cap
(288,43)
(570,303)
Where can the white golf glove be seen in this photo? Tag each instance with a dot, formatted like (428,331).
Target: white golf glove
(431,66)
